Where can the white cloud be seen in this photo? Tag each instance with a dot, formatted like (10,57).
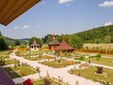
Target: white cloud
(106,4)
(16,27)
(26,26)
(64,1)
(108,23)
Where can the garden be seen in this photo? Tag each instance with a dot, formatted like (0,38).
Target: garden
(59,63)
(97,59)
(33,55)
(44,81)
(18,71)
(103,76)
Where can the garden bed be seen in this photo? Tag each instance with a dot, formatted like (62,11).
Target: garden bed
(91,73)
(18,71)
(60,63)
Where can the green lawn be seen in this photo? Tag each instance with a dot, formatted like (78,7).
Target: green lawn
(11,61)
(90,73)
(58,63)
(18,71)
(103,61)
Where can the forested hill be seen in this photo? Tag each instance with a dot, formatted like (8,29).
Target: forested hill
(97,35)
(11,41)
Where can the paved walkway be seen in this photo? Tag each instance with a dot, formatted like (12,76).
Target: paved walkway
(53,72)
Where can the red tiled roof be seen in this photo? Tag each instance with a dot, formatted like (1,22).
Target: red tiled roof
(64,46)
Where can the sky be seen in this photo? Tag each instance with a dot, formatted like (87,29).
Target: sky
(60,17)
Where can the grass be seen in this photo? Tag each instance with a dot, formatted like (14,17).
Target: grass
(32,55)
(53,81)
(103,61)
(19,71)
(39,52)
(41,82)
(58,63)
(11,61)
(39,58)
(90,73)
(4,54)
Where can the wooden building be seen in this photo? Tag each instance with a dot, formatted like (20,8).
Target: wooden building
(34,46)
(54,43)
(64,47)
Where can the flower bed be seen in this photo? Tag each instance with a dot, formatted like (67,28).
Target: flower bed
(58,63)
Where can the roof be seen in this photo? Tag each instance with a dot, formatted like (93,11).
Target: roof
(54,43)
(4,78)
(64,46)
(34,43)
(11,9)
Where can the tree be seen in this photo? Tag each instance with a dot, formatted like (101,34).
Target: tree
(47,38)
(38,40)
(75,41)
(0,33)
(17,42)
(3,44)
(63,37)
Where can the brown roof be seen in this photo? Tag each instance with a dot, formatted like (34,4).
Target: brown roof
(64,46)
(11,9)
(54,43)
(34,43)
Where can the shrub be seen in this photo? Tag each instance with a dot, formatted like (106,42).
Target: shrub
(82,58)
(46,82)
(58,60)
(98,56)
(38,69)
(100,70)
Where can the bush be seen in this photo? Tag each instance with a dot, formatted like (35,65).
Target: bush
(82,58)
(46,82)
(98,56)
(58,60)
(100,70)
